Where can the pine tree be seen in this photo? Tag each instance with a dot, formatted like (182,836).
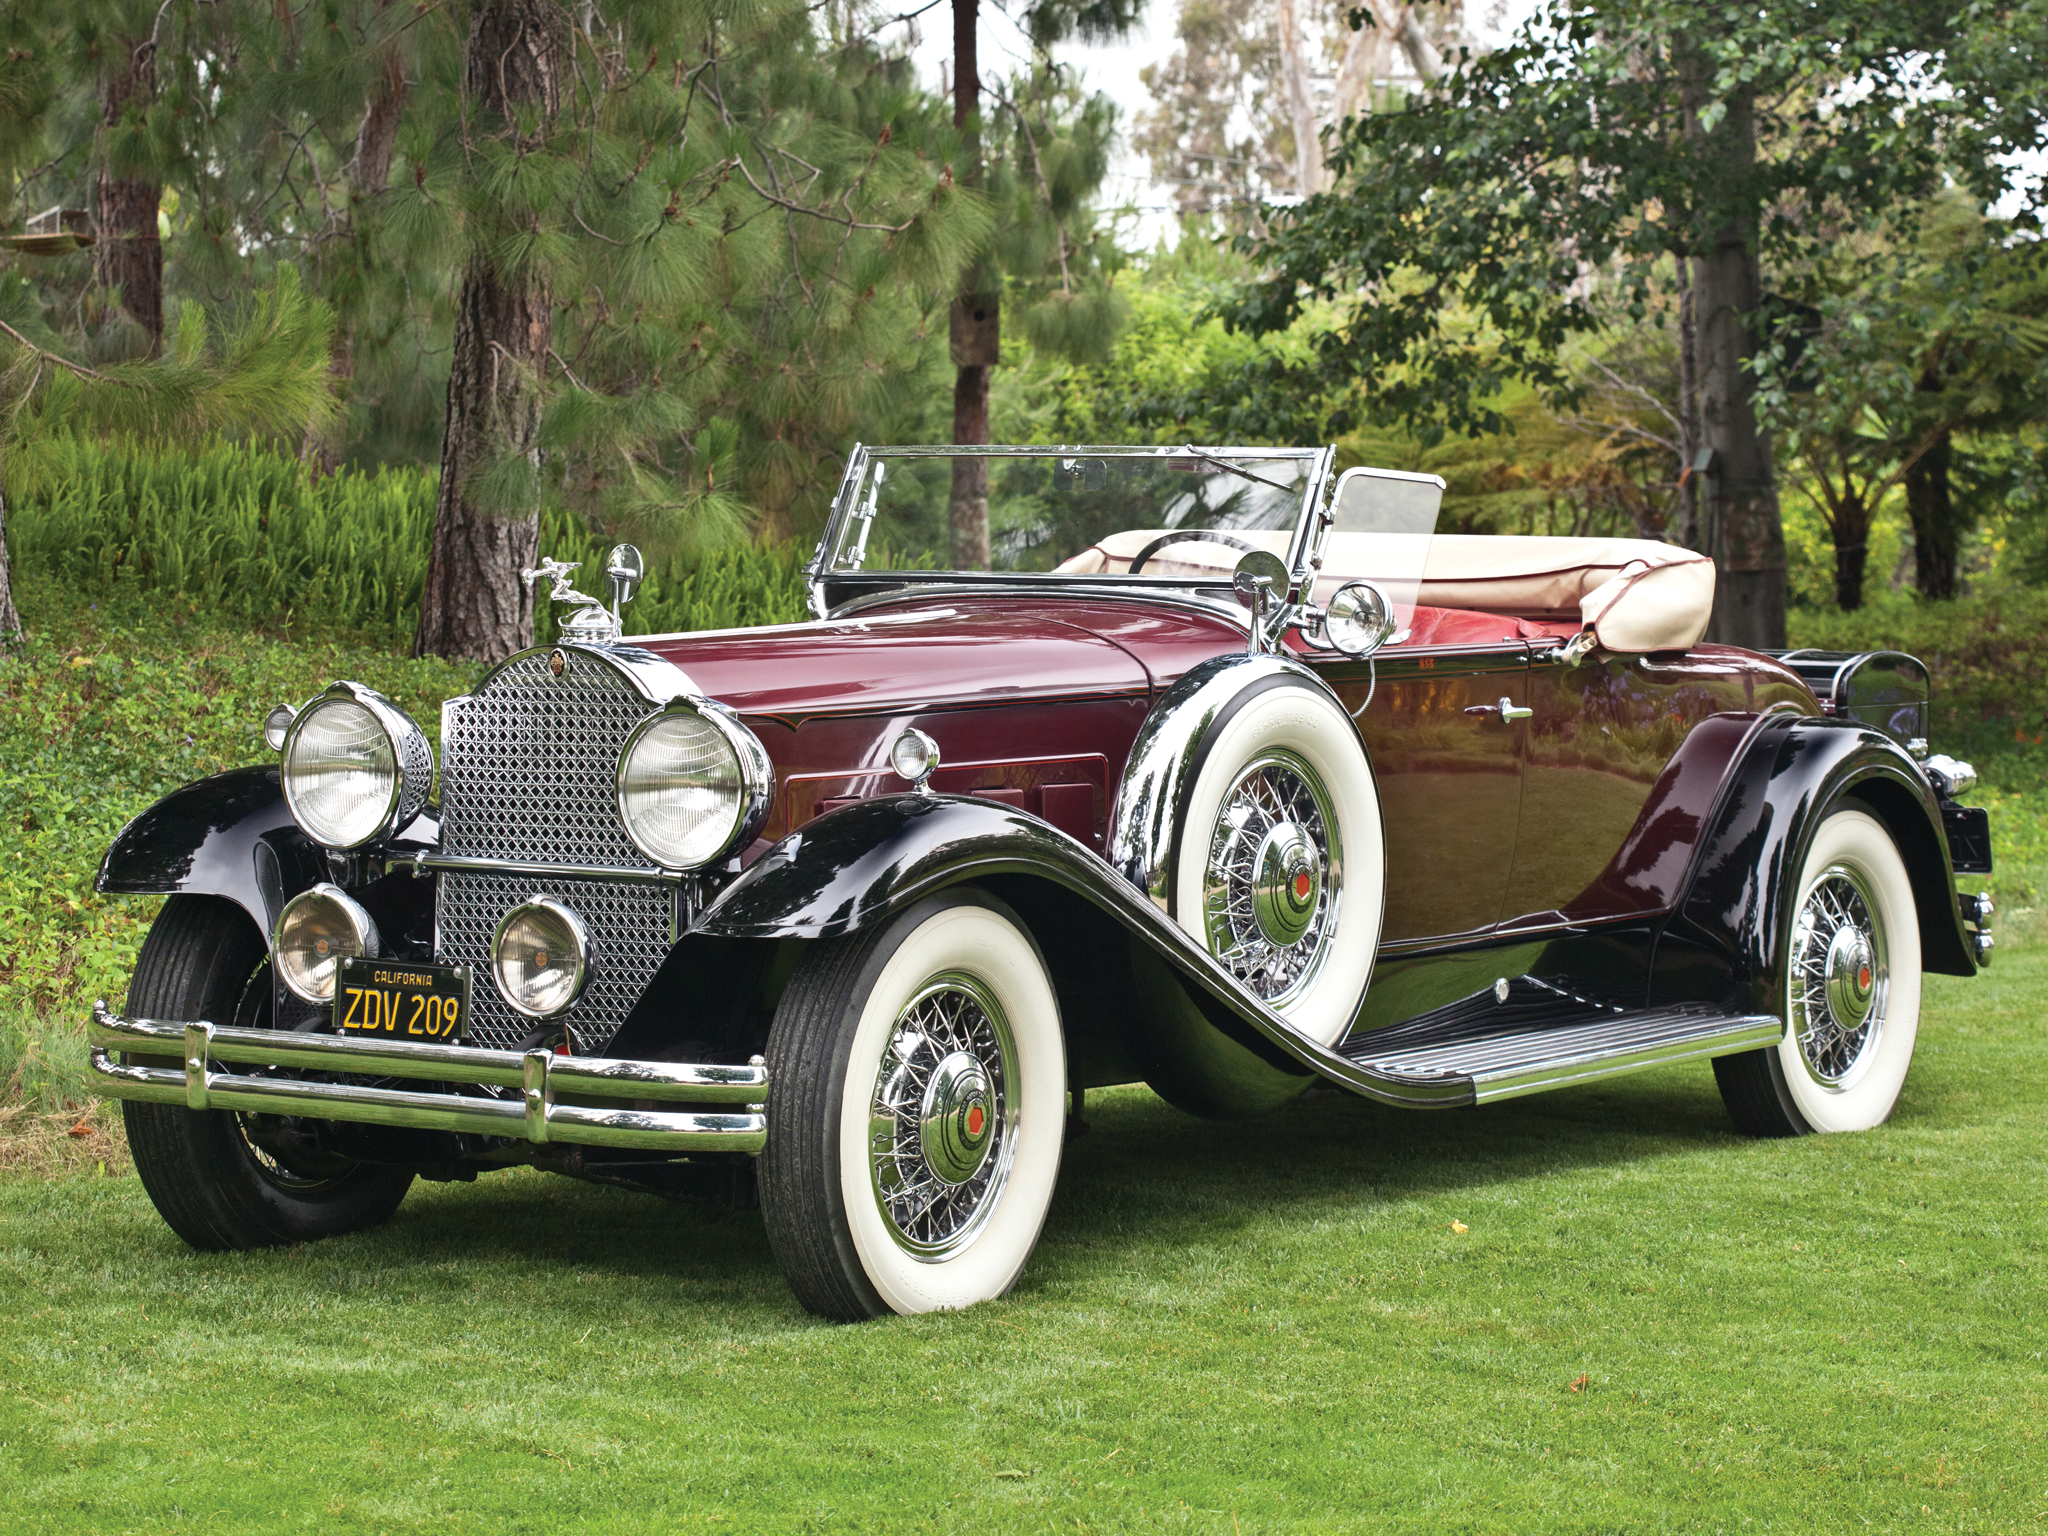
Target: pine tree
(264,372)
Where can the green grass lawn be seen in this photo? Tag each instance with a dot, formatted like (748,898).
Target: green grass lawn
(1255,1327)
(1271,1326)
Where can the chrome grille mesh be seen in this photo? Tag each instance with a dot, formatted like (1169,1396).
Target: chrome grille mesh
(629,930)
(528,765)
(529,762)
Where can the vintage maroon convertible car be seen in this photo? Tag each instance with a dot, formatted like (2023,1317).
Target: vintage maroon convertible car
(1218,771)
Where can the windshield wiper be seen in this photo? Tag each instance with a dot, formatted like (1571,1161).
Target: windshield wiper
(1238,469)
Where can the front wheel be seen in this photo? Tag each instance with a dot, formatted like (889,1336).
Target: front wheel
(1850,988)
(206,1171)
(916,1107)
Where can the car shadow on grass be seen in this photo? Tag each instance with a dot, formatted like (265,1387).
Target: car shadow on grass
(1142,1171)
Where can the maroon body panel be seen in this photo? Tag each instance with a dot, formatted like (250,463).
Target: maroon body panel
(1585,812)
(1623,760)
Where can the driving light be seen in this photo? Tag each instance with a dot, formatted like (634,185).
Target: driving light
(1359,619)
(316,931)
(693,783)
(540,957)
(356,767)
(915,756)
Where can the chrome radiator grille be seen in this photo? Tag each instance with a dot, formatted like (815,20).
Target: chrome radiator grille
(529,762)
(528,765)
(629,932)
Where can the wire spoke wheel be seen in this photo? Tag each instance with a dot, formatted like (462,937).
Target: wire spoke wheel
(1839,976)
(941,1131)
(1274,876)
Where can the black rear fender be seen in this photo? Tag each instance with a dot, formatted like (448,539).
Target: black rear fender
(1728,934)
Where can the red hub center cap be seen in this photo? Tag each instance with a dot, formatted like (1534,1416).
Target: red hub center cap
(1863,978)
(1302,886)
(976,1119)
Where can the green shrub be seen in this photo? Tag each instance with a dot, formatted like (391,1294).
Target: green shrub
(246,533)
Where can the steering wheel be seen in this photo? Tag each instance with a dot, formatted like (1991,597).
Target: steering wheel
(1187,536)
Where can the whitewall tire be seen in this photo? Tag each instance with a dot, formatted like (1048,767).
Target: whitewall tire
(1281,867)
(916,1110)
(1850,990)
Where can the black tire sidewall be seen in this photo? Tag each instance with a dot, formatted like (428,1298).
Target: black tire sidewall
(199,959)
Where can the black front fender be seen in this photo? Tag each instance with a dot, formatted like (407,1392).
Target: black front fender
(230,835)
(1735,915)
(856,866)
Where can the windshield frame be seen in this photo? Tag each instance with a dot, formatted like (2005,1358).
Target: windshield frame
(850,585)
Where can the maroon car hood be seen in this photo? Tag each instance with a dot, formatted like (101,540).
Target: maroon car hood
(920,659)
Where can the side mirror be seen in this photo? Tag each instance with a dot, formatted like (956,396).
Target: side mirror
(1359,619)
(625,570)
(1260,581)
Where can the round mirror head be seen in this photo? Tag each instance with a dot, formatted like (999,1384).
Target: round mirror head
(1359,619)
(625,569)
(1259,571)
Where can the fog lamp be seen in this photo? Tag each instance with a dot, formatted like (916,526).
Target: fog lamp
(540,957)
(316,931)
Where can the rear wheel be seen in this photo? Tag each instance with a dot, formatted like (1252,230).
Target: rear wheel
(916,1107)
(1850,989)
(206,1173)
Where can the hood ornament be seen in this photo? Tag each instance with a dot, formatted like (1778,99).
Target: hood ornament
(592,623)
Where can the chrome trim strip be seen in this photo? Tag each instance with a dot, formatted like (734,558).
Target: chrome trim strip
(535,1115)
(616,874)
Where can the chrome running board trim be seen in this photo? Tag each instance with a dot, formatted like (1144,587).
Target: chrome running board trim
(1506,1066)
(536,1115)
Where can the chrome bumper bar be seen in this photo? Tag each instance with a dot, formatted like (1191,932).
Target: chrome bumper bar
(536,1115)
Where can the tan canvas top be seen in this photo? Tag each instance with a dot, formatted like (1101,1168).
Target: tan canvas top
(1636,594)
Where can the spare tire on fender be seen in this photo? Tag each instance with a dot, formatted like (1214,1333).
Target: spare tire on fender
(1249,814)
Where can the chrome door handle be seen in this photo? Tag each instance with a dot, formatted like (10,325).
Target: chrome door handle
(1508,710)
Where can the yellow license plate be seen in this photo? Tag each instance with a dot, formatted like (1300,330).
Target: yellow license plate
(397,1001)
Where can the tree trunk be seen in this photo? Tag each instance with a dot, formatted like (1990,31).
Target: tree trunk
(129,256)
(1301,107)
(368,169)
(1937,530)
(1740,523)
(976,321)
(10,620)
(475,605)
(1850,525)
(1688,412)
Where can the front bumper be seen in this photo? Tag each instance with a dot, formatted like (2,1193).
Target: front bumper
(537,1114)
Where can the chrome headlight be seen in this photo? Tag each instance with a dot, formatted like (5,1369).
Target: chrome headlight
(356,767)
(316,931)
(693,784)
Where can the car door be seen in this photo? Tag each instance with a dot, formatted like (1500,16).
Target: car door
(1448,761)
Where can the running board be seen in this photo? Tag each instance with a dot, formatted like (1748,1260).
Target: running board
(1506,1064)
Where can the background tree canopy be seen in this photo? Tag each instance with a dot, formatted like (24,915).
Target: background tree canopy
(1762,278)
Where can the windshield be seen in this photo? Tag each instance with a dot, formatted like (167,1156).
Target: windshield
(1174,513)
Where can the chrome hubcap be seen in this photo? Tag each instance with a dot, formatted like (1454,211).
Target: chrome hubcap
(954,1127)
(1274,875)
(941,1130)
(1838,977)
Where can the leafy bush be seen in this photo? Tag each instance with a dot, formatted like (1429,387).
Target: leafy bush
(246,533)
